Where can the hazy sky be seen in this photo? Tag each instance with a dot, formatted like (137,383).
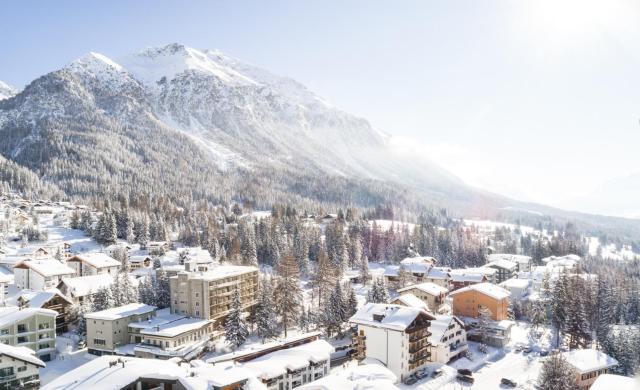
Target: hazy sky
(536,99)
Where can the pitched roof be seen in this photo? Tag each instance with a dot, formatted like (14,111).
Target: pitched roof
(439,327)
(587,360)
(38,299)
(516,283)
(21,353)
(393,317)
(50,267)
(488,289)
(85,285)
(411,300)
(428,287)
(121,312)
(9,315)
(96,259)
(502,263)
(474,278)
(510,257)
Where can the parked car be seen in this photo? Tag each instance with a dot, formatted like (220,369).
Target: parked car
(527,350)
(410,380)
(82,344)
(544,352)
(508,382)
(437,373)
(422,373)
(465,378)
(519,347)
(465,371)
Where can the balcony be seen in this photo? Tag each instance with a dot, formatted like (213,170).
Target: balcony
(418,348)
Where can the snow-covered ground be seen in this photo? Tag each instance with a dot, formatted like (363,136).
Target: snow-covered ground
(610,251)
(68,358)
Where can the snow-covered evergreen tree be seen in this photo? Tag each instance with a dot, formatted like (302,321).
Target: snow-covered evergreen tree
(288,296)
(556,374)
(266,317)
(103,299)
(235,328)
(163,290)
(147,291)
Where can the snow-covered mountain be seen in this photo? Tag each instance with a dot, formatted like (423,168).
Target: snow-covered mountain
(182,124)
(6,91)
(240,118)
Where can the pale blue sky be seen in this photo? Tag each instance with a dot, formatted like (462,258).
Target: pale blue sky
(535,99)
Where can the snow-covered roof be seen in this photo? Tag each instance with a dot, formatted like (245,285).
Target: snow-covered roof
(502,263)
(29,251)
(471,278)
(21,353)
(277,363)
(37,299)
(515,283)
(574,258)
(587,360)
(488,289)
(10,315)
(224,271)
(85,285)
(96,260)
(439,327)
(173,328)
(418,260)
(439,273)
(617,382)
(428,287)
(197,254)
(360,377)
(510,257)
(98,375)
(410,300)
(391,316)
(121,312)
(50,267)
(204,377)
(139,259)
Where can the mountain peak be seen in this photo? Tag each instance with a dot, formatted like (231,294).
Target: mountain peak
(167,62)
(97,61)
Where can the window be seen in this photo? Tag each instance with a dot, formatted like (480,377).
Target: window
(99,342)
(7,371)
(22,328)
(4,332)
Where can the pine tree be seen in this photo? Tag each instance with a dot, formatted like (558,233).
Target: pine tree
(288,295)
(556,374)
(235,328)
(351,303)
(365,276)
(103,299)
(324,277)
(163,291)
(538,315)
(266,318)
(484,321)
(147,291)
(378,292)
(142,232)
(79,311)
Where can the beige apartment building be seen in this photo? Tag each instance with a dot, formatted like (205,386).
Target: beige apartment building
(208,294)
(109,329)
(29,327)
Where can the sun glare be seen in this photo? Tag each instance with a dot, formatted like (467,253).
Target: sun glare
(574,22)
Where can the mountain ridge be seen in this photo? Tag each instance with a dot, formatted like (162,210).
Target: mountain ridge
(193,124)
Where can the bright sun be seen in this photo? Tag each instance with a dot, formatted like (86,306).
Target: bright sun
(573,22)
